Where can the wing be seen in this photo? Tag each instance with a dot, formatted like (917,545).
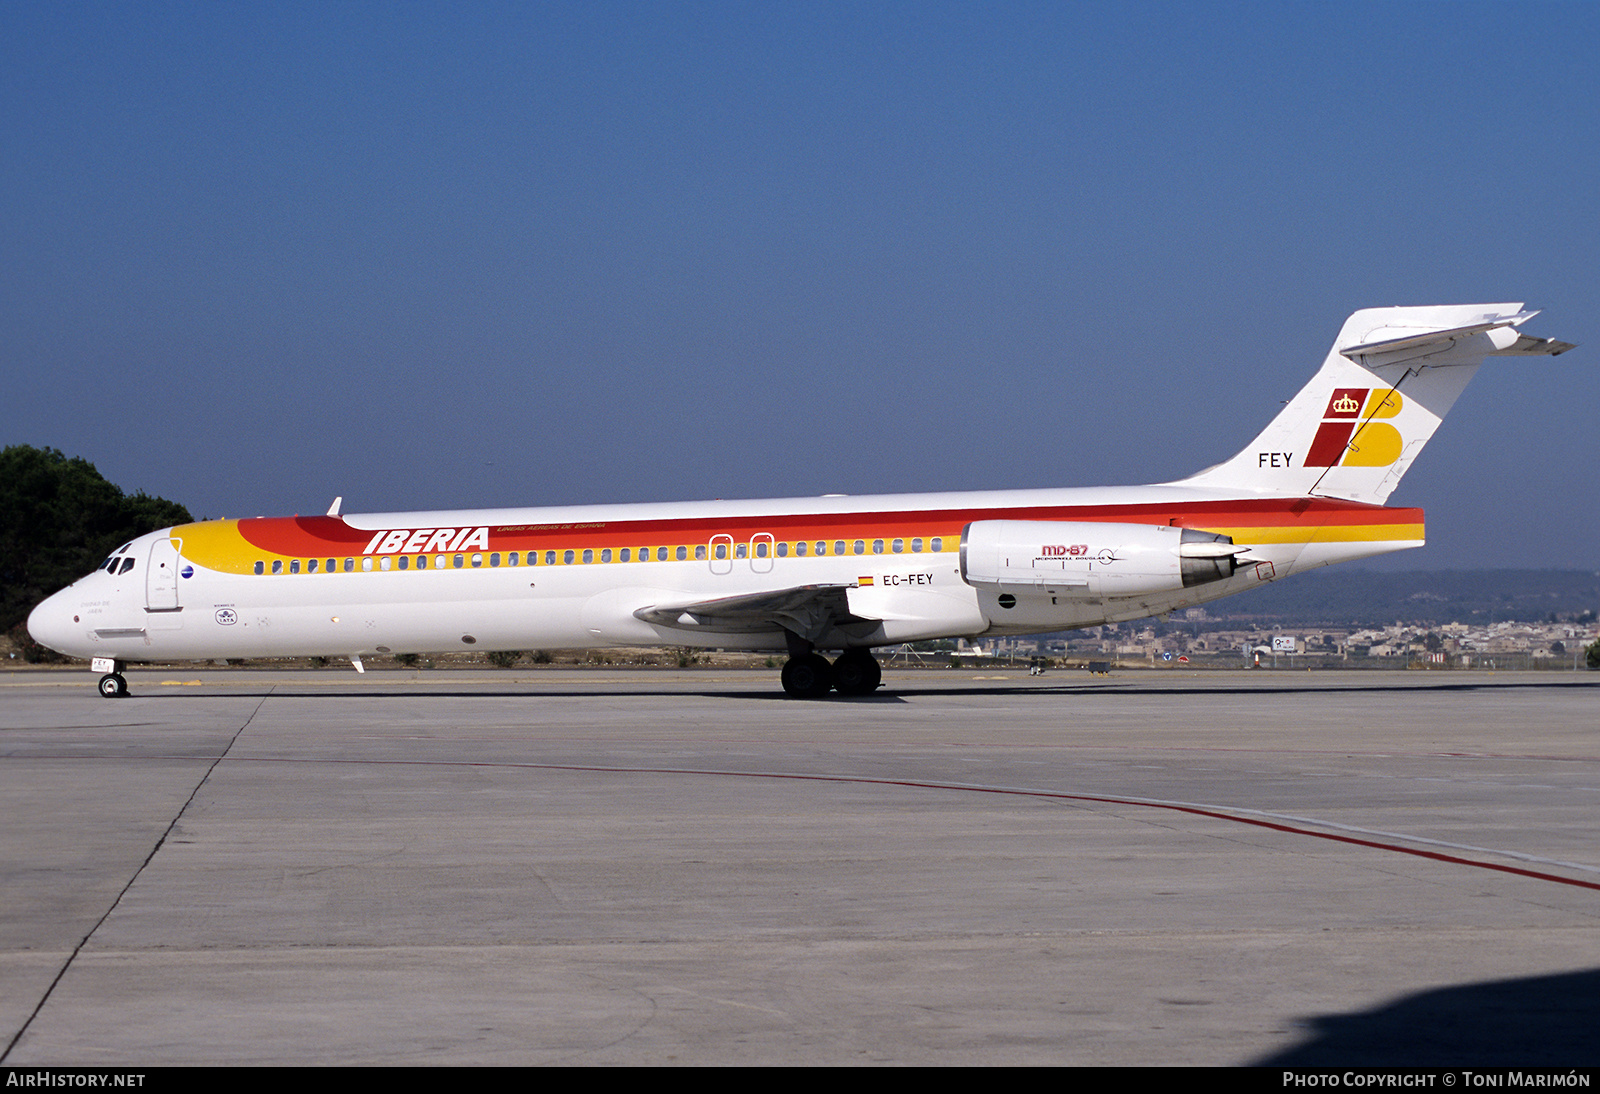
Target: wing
(807,611)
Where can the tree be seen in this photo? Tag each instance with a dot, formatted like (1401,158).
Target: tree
(59,518)
(1591,656)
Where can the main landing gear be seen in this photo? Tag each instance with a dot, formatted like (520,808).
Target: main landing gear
(809,676)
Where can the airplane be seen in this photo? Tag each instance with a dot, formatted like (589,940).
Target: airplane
(806,575)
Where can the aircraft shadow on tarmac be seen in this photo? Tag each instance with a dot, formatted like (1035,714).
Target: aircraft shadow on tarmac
(1537,1021)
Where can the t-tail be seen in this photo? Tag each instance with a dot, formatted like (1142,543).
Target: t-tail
(1389,380)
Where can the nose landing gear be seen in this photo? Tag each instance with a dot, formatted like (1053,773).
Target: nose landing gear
(112,684)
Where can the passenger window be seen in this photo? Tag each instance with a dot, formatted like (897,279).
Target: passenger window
(800,549)
(385,562)
(494,559)
(877,546)
(916,545)
(567,557)
(588,556)
(740,551)
(722,550)
(333,564)
(260,566)
(936,545)
(783,550)
(625,555)
(349,565)
(550,558)
(838,546)
(405,561)
(277,566)
(761,549)
(477,560)
(294,566)
(898,546)
(661,554)
(683,553)
(511,559)
(366,565)
(860,547)
(311,567)
(458,561)
(700,551)
(605,555)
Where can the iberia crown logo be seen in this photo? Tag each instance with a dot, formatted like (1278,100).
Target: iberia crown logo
(1351,434)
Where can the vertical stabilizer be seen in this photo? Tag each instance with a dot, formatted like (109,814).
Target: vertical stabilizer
(1389,380)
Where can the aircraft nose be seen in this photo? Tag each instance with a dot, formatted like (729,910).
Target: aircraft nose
(51,624)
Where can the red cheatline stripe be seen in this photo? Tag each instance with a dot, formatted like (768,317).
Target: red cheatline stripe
(319,535)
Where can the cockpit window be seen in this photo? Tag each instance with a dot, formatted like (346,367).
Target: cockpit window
(127,564)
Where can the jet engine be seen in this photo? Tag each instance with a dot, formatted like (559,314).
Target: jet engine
(1088,560)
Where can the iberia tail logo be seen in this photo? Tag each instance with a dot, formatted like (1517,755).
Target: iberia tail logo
(1351,434)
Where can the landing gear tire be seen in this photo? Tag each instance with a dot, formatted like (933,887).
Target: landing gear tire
(857,672)
(807,677)
(113,686)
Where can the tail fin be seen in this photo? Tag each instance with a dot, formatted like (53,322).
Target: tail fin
(1390,378)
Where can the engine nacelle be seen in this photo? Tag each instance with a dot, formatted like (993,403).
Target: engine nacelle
(1088,560)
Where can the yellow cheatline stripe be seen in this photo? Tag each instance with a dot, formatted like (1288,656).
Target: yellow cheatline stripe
(217,545)
(1325,533)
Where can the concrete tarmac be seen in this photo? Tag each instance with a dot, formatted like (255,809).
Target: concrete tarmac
(683,867)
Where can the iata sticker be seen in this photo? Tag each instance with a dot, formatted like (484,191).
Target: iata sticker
(227,616)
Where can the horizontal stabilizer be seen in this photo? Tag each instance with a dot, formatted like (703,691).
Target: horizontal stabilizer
(1445,338)
(1527,345)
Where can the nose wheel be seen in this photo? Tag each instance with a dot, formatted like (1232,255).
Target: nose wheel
(113,686)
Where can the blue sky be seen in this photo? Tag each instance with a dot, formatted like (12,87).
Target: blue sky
(429,255)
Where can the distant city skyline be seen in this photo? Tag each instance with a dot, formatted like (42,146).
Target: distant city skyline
(435,256)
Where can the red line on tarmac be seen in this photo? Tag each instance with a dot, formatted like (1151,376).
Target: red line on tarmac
(1200,811)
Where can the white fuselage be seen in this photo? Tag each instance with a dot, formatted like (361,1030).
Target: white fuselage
(896,558)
